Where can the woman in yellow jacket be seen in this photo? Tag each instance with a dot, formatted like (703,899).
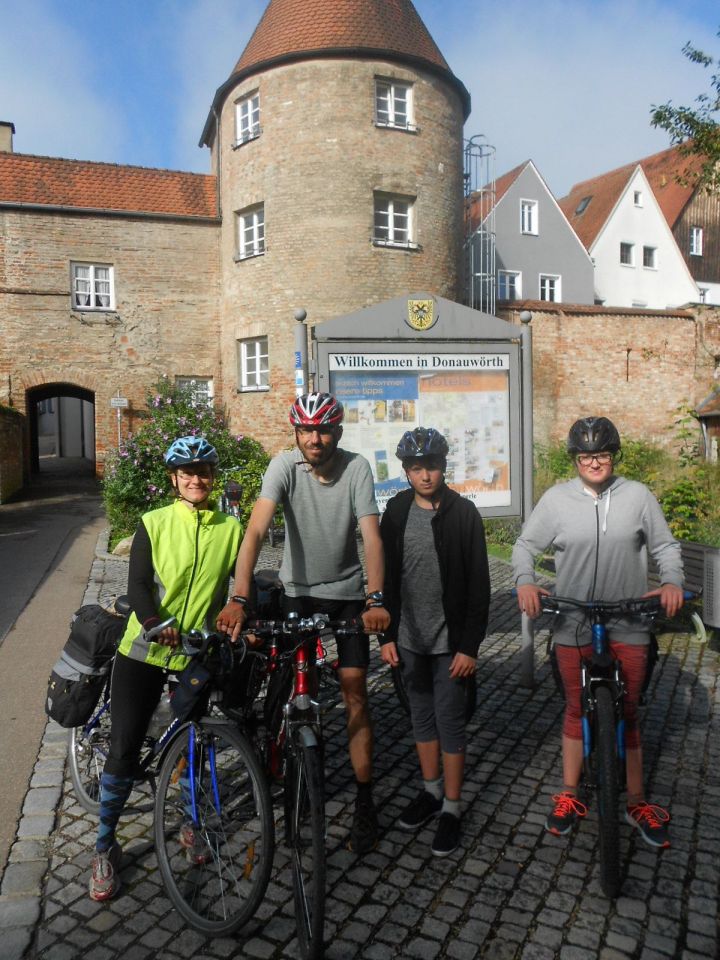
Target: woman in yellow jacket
(181,558)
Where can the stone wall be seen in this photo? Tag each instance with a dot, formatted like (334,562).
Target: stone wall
(166,319)
(11,454)
(635,366)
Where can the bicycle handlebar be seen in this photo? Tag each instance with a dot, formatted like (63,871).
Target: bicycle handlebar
(634,605)
(196,642)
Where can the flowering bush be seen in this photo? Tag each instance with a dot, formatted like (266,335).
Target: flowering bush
(135,478)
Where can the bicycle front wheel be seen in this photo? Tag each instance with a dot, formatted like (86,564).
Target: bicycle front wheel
(606,770)
(307,843)
(89,747)
(214,829)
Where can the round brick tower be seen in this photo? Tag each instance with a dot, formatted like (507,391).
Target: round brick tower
(337,143)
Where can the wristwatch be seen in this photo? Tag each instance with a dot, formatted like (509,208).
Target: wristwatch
(374,599)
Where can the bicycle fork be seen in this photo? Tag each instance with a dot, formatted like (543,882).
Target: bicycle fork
(590,678)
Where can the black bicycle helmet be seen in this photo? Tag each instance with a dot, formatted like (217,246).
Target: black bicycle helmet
(422,442)
(187,450)
(593,435)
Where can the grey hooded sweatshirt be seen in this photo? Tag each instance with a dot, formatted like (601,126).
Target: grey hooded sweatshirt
(601,550)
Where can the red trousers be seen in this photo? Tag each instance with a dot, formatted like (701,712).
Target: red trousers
(633,662)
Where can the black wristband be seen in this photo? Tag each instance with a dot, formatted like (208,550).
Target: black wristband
(374,603)
(243,600)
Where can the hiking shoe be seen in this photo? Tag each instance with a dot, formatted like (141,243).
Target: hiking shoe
(364,831)
(423,808)
(651,821)
(563,815)
(105,882)
(447,835)
(196,846)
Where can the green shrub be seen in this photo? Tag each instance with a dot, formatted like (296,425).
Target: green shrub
(135,478)
(502,530)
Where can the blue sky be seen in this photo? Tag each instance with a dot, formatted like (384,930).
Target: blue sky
(566,83)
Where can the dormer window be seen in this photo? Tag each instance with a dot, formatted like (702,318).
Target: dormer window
(582,206)
(394,104)
(247,118)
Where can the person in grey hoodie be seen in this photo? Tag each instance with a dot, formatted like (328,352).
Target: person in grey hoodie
(602,528)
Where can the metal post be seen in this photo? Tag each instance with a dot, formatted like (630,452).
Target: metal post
(527,633)
(301,367)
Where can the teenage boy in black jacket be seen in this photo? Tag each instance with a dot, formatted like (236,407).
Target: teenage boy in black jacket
(437,590)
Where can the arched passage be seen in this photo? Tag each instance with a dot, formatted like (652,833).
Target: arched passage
(61,418)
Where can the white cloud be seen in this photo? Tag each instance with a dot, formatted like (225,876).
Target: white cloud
(50,85)
(570,84)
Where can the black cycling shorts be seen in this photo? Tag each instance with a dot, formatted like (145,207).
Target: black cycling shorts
(352,651)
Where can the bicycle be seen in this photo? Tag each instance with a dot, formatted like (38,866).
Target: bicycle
(603,724)
(202,771)
(291,748)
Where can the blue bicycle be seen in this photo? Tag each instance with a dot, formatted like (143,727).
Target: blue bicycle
(603,723)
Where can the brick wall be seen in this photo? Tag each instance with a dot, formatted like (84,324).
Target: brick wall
(11,454)
(315,167)
(636,367)
(166,319)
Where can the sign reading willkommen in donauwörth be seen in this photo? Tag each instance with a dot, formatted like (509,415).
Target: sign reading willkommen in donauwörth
(463,395)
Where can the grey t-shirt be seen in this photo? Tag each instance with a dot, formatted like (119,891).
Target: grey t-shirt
(422,626)
(320,558)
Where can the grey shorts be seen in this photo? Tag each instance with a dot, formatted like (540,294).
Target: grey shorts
(437,701)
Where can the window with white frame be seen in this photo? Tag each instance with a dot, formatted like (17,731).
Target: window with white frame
(201,389)
(251,232)
(393,223)
(92,286)
(696,241)
(247,118)
(394,104)
(253,366)
(650,257)
(509,285)
(627,254)
(550,287)
(529,216)
(638,198)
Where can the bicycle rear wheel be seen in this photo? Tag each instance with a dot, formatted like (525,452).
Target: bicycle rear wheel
(89,747)
(606,776)
(306,808)
(218,881)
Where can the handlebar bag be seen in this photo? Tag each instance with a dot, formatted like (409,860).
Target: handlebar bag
(188,695)
(78,677)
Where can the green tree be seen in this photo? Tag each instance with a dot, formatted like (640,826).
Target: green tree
(696,128)
(135,478)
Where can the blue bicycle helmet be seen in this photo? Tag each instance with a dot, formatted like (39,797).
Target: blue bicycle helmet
(422,442)
(187,450)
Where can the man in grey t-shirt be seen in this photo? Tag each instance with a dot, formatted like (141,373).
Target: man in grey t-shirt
(325,493)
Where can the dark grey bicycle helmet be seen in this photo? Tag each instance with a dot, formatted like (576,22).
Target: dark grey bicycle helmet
(422,442)
(593,435)
(187,450)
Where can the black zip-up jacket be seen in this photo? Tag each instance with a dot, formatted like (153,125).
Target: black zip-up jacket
(462,555)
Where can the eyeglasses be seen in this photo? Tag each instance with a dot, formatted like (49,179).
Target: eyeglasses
(602,459)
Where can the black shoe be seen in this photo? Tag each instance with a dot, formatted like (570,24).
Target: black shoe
(566,811)
(447,835)
(423,808)
(364,831)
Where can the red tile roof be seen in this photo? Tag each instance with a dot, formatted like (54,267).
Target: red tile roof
(300,26)
(480,203)
(661,170)
(50,181)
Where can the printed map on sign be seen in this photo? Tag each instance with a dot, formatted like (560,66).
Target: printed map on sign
(470,408)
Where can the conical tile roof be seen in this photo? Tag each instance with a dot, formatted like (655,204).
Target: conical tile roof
(291,30)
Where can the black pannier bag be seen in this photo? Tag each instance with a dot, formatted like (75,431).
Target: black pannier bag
(78,677)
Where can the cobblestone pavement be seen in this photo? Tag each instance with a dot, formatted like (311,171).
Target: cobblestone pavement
(512,892)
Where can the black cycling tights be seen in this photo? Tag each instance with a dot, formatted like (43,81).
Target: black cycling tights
(135,692)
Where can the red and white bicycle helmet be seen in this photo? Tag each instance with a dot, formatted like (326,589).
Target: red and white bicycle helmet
(316,410)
